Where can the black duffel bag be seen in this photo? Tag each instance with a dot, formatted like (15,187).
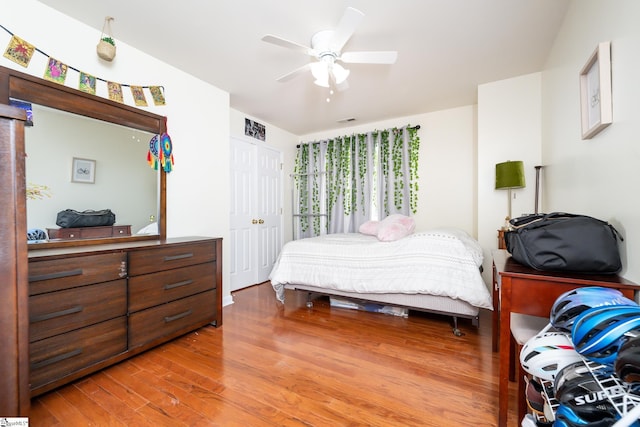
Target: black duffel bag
(565,242)
(69,218)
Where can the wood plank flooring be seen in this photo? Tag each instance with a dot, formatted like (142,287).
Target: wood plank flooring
(275,365)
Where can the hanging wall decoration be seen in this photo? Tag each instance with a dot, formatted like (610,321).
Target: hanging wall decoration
(161,152)
(166,152)
(56,71)
(254,129)
(153,153)
(115,92)
(138,96)
(19,51)
(87,83)
(106,47)
(157,95)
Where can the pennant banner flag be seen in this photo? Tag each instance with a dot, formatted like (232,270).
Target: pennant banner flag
(115,92)
(56,71)
(19,51)
(138,96)
(156,93)
(87,83)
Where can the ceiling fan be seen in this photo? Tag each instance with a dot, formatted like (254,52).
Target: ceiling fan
(326,47)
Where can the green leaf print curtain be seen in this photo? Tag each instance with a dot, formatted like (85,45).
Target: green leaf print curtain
(343,182)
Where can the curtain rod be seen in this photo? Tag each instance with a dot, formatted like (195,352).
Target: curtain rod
(416,127)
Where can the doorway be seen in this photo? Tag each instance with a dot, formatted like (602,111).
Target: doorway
(256,211)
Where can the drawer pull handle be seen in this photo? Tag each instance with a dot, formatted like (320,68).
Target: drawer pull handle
(176,257)
(72,310)
(56,359)
(177,284)
(168,319)
(58,275)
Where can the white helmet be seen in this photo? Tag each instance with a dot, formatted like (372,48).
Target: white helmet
(544,355)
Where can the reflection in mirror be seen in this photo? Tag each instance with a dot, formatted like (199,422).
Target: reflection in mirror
(121,180)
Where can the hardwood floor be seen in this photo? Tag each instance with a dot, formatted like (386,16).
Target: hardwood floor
(274,365)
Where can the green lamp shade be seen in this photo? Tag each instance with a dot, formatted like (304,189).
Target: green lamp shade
(510,175)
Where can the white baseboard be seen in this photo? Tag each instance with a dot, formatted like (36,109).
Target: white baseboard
(227,300)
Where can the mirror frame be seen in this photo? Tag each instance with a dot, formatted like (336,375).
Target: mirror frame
(14,84)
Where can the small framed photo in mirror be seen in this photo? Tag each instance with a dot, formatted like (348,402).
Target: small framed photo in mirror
(83,170)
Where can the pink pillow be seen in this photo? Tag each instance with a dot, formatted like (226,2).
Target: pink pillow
(395,227)
(370,228)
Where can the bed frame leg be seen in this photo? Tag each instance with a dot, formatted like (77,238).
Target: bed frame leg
(457,332)
(476,321)
(309,300)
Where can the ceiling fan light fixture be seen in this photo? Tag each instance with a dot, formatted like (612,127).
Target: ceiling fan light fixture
(340,73)
(320,72)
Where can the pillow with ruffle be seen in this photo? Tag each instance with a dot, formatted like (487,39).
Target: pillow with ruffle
(395,227)
(370,228)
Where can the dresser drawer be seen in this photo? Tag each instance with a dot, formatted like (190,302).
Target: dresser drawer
(89,232)
(158,288)
(56,357)
(49,275)
(190,312)
(173,256)
(63,311)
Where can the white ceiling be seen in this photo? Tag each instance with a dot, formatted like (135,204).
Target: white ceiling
(446,48)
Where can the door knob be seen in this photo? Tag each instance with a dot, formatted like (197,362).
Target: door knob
(261,221)
(254,221)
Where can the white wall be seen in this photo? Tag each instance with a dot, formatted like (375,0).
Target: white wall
(509,120)
(198,113)
(596,177)
(447,165)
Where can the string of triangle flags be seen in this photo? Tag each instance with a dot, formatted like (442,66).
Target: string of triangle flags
(21,52)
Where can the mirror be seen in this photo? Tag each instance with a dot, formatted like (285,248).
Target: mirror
(86,164)
(118,126)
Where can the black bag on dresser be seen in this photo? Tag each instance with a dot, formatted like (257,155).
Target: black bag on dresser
(69,218)
(565,242)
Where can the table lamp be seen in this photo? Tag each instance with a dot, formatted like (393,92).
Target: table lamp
(509,175)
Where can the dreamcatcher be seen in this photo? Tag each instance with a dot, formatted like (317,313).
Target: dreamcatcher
(160,152)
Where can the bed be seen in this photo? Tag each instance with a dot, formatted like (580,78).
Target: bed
(436,271)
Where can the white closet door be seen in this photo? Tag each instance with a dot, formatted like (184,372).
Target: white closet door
(269,210)
(256,214)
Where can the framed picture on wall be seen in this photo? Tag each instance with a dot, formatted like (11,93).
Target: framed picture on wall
(595,92)
(83,171)
(254,129)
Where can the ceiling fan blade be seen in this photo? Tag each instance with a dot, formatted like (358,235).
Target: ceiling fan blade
(294,73)
(374,57)
(345,29)
(279,41)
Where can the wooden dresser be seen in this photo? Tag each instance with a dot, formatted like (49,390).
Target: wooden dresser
(93,306)
(89,232)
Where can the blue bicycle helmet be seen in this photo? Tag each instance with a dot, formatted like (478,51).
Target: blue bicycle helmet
(601,414)
(572,303)
(599,332)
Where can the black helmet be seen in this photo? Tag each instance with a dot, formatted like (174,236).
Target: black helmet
(602,414)
(627,363)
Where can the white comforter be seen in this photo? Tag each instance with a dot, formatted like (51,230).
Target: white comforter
(442,262)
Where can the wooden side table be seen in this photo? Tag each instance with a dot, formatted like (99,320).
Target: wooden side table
(520,289)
